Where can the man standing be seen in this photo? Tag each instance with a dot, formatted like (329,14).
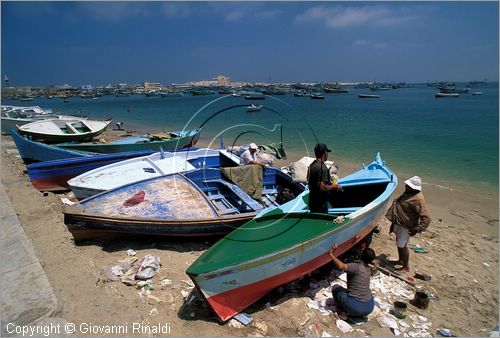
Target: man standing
(248,156)
(319,180)
(409,216)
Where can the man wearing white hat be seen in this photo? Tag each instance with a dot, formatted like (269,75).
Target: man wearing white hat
(248,156)
(409,216)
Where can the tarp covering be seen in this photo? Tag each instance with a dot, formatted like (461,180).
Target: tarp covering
(248,177)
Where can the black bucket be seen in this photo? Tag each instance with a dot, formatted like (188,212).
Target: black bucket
(421,300)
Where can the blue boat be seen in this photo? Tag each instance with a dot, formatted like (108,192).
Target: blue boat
(54,175)
(137,169)
(32,151)
(200,202)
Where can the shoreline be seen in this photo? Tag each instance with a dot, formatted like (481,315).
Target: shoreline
(463,260)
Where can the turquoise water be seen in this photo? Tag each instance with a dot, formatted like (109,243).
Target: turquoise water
(449,141)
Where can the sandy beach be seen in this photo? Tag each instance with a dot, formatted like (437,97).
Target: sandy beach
(462,258)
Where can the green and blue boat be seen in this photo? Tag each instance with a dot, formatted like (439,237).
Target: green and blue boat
(286,242)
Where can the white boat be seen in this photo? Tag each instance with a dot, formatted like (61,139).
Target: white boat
(158,164)
(477,93)
(253,107)
(64,130)
(13,116)
(439,94)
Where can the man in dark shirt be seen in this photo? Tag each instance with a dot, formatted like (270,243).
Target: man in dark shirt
(319,180)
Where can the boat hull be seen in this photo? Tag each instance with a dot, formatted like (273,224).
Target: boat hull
(271,272)
(32,151)
(54,175)
(187,140)
(285,243)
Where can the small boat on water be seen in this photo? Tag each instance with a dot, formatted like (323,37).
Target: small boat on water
(255,96)
(201,202)
(139,168)
(317,96)
(253,107)
(286,242)
(477,93)
(167,141)
(439,94)
(32,151)
(67,130)
(368,96)
(336,90)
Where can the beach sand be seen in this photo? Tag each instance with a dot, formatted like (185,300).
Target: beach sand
(463,260)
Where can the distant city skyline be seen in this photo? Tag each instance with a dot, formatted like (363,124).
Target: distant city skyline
(99,43)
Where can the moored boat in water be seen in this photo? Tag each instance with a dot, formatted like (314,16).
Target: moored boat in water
(368,96)
(286,242)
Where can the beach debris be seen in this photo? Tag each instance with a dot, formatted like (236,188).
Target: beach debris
(486,237)
(131,252)
(344,326)
(418,249)
(235,324)
(260,326)
(422,276)
(495,332)
(485,264)
(443,332)
(184,294)
(338,220)
(165,281)
(188,282)
(326,334)
(148,266)
(66,201)
(385,321)
(450,274)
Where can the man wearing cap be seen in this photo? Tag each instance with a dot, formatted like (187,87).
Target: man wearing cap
(248,156)
(319,180)
(409,216)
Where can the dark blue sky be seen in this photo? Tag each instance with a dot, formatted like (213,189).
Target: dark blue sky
(50,43)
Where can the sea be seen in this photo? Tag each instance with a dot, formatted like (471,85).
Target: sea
(449,142)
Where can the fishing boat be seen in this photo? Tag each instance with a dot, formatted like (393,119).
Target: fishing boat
(255,96)
(201,202)
(13,116)
(136,169)
(439,94)
(67,130)
(32,151)
(368,96)
(286,242)
(317,96)
(253,107)
(336,90)
(167,141)
(477,93)
(54,175)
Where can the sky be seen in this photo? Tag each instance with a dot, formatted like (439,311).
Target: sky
(100,43)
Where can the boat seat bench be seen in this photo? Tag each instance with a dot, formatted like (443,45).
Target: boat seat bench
(343,210)
(240,193)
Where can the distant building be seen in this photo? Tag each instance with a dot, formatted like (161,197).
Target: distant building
(152,86)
